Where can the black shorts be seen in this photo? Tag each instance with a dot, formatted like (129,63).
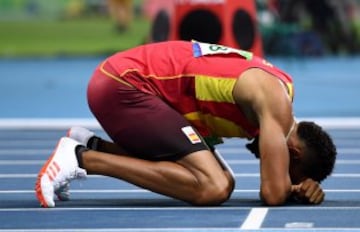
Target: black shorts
(142,124)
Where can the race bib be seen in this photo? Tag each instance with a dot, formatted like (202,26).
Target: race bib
(204,49)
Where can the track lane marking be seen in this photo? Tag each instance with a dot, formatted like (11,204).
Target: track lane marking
(104,191)
(254,219)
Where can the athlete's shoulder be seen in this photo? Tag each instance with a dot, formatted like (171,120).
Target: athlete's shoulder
(169,43)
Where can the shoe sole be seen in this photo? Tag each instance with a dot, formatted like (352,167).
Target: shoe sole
(43,172)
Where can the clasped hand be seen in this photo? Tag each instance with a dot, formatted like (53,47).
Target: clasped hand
(308,192)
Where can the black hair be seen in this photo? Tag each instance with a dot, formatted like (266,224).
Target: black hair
(319,158)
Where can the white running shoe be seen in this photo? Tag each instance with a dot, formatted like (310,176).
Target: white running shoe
(80,134)
(58,171)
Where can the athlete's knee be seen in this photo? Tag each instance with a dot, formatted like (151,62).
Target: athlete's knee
(213,193)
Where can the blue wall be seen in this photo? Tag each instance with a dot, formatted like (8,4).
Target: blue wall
(56,88)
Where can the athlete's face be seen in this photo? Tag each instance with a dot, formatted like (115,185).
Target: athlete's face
(296,175)
(295,170)
(297,150)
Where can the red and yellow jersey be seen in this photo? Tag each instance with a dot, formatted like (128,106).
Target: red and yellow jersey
(197,80)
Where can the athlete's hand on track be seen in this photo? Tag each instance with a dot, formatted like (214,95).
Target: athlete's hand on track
(308,192)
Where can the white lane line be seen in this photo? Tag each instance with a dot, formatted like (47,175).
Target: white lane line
(47,123)
(8,176)
(255,219)
(33,142)
(148,229)
(25,151)
(102,191)
(83,191)
(21,162)
(183,208)
(187,229)
(237,175)
(163,208)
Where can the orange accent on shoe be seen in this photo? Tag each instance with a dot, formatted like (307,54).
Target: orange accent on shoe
(56,166)
(50,175)
(51,171)
(42,172)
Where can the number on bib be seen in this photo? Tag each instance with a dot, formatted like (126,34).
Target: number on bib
(203,49)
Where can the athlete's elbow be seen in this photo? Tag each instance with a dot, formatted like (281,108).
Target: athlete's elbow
(273,200)
(273,197)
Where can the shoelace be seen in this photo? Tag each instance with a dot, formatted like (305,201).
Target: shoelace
(78,173)
(63,187)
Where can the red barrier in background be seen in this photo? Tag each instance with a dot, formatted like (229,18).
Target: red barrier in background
(228,22)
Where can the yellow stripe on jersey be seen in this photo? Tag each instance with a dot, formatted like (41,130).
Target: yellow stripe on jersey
(222,126)
(193,116)
(290,88)
(214,88)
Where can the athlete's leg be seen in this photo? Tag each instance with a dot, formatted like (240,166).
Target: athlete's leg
(88,138)
(96,163)
(110,147)
(93,166)
(196,178)
(91,141)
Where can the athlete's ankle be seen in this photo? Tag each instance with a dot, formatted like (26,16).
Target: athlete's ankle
(79,150)
(93,143)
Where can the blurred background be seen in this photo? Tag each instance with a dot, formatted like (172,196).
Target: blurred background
(48,49)
(93,27)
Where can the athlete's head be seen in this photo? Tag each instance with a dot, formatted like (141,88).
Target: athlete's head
(318,153)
